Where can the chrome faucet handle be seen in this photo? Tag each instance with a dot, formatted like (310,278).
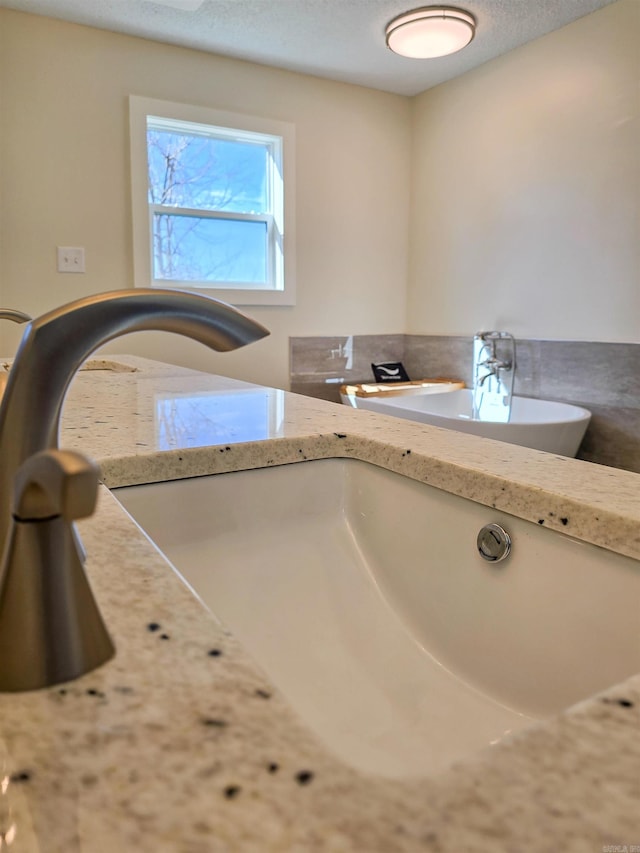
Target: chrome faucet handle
(50,626)
(493,362)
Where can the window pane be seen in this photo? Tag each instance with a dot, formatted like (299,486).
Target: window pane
(202,172)
(187,248)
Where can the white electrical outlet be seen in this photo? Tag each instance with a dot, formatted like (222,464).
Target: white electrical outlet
(70,259)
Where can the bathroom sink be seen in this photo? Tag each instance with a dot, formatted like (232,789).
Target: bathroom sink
(362,595)
(108,364)
(90,364)
(539,424)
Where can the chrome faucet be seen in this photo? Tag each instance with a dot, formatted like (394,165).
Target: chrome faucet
(486,361)
(50,626)
(494,366)
(16,316)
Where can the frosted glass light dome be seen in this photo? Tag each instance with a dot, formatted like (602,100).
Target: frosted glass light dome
(430,32)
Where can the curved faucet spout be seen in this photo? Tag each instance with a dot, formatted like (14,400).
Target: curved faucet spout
(55,345)
(14,315)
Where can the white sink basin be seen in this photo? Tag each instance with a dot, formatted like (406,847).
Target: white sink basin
(539,424)
(363,597)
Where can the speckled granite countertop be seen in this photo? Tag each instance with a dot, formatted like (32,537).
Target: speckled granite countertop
(180,743)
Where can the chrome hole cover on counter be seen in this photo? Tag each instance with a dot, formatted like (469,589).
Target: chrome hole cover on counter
(494,543)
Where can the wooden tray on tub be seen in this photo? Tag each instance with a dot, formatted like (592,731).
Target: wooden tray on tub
(397,389)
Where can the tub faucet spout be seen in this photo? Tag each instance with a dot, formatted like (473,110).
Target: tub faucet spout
(43,489)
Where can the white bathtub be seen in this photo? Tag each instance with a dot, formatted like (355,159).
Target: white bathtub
(540,424)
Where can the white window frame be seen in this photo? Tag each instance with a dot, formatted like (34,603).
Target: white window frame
(280,234)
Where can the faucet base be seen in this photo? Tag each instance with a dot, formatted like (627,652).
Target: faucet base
(50,626)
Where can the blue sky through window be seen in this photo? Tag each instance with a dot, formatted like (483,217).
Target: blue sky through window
(196,171)
(211,250)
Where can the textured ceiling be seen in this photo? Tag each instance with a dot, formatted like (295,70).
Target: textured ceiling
(338,39)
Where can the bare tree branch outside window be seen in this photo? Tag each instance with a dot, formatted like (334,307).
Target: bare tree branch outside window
(194,172)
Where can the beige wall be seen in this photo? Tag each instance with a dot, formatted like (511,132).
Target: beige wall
(526,189)
(520,210)
(64,180)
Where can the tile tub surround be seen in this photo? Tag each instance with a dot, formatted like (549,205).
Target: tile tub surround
(601,377)
(180,745)
(319,365)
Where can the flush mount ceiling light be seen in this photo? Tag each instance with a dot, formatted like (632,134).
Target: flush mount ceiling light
(429,32)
